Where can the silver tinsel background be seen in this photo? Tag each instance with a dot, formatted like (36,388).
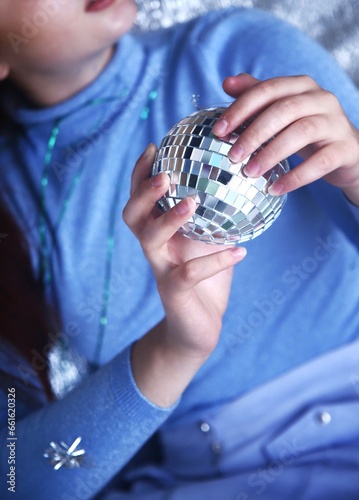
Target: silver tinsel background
(333,23)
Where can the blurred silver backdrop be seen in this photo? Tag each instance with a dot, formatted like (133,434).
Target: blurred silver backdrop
(333,23)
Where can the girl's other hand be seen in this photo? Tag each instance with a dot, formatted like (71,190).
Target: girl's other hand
(305,119)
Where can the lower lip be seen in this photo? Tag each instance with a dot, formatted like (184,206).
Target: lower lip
(100,5)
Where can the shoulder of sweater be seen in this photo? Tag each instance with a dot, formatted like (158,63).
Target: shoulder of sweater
(231,34)
(212,24)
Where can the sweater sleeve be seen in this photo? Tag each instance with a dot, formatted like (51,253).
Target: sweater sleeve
(253,41)
(107,411)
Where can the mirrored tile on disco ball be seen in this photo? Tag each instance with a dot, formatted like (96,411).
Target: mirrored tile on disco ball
(231,207)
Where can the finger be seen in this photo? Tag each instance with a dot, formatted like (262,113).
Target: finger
(194,271)
(280,115)
(259,97)
(236,85)
(156,234)
(139,208)
(292,139)
(320,164)
(142,170)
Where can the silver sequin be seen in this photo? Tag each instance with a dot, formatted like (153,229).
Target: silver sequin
(66,368)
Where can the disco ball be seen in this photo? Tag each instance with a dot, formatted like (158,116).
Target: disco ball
(230,206)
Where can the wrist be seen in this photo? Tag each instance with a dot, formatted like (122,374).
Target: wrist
(161,368)
(192,339)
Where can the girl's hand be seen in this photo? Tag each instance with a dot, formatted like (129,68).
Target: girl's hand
(305,119)
(193,280)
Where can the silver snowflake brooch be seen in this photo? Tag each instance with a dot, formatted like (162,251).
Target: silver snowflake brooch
(61,455)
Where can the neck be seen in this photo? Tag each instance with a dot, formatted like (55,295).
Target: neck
(51,88)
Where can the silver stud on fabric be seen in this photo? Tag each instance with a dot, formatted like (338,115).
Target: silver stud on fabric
(324,418)
(205,427)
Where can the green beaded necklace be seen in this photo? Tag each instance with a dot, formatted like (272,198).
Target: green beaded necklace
(44,254)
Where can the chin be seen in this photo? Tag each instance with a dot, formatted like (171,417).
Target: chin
(123,16)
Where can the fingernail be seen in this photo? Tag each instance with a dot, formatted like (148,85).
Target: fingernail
(276,189)
(239,252)
(251,169)
(157,180)
(182,207)
(220,127)
(236,153)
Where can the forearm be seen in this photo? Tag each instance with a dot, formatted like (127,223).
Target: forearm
(107,411)
(193,282)
(161,369)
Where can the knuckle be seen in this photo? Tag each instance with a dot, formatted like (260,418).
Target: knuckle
(308,81)
(307,128)
(326,161)
(288,106)
(294,178)
(253,137)
(268,87)
(189,273)
(271,153)
(329,97)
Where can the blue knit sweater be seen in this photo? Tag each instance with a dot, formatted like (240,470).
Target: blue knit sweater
(294,298)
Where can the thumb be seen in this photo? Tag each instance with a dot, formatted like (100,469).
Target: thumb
(142,170)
